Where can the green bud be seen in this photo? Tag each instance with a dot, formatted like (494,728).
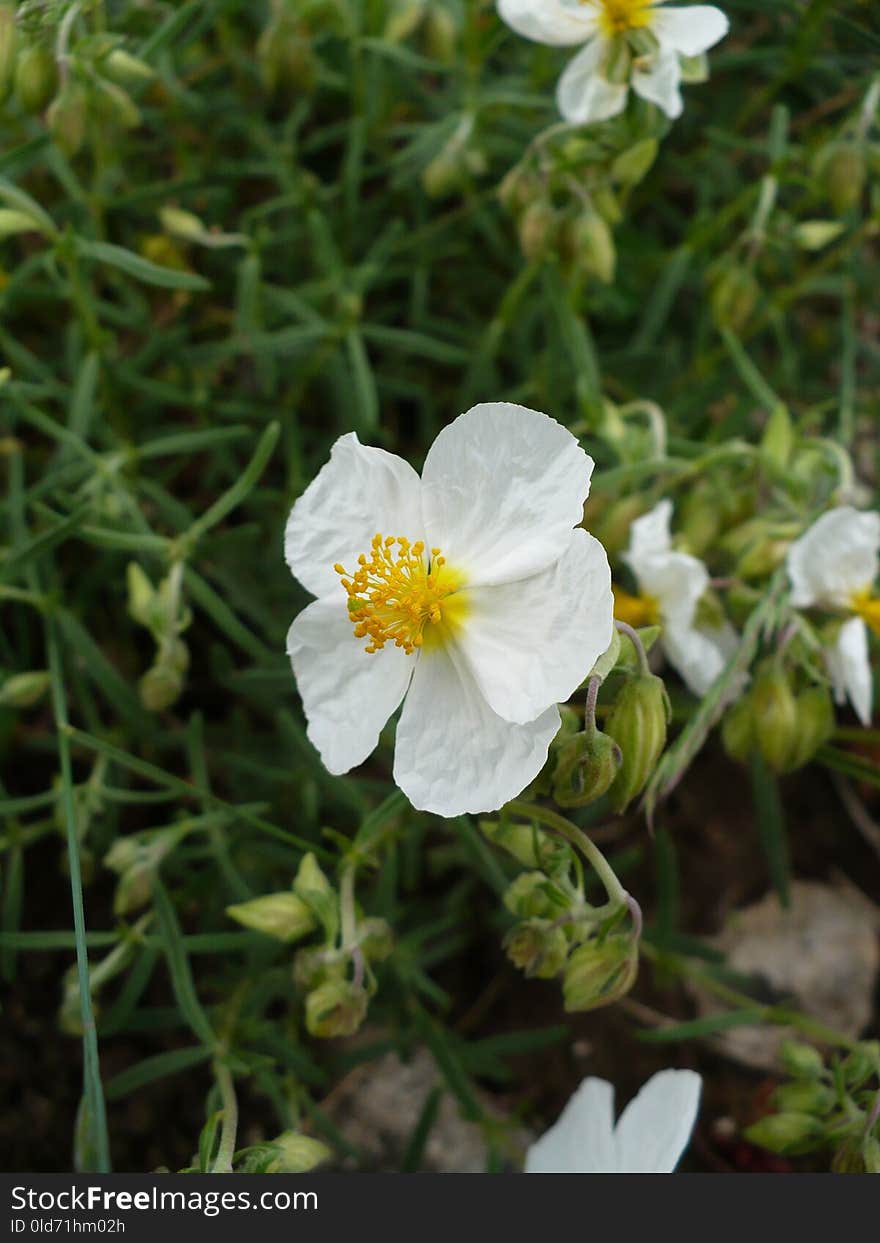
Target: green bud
(817,234)
(632,165)
(443,174)
(815,725)
(336,1008)
(637,723)
(127,70)
(312,886)
(591,246)
(530,846)
(806,1096)
(537,947)
(296,1154)
(440,35)
(842,170)
(600,972)
(162,686)
(538,229)
(586,767)
(36,77)
(283,916)
(605,201)
(777,442)
(115,105)
(734,297)
(23,690)
(532,894)
(789,1134)
(774,712)
(141,596)
(848,1159)
(67,118)
(376,939)
(801,1060)
(862,1064)
(314,966)
(182,224)
(738,730)
(8,49)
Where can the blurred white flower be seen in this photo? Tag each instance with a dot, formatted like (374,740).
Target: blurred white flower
(833,566)
(671,585)
(652,1133)
(470,591)
(636,43)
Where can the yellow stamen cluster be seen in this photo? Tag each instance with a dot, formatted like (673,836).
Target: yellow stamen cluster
(867,606)
(635,610)
(619,16)
(395,595)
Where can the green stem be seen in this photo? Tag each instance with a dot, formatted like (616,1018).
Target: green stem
(226,1148)
(601,866)
(632,635)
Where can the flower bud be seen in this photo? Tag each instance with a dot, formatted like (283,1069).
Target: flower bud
(376,939)
(8,49)
(283,916)
(774,713)
(590,245)
(801,1060)
(162,686)
(817,234)
(862,1064)
(788,1133)
(600,972)
(13,221)
(637,723)
(295,1153)
(36,78)
(632,165)
(842,171)
(336,1008)
(734,297)
(777,441)
(530,846)
(807,1096)
(586,767)
(127,70)
(538,229)
(67,118)
(313,887)
(738,730)
(605,201)
(537,947)
(848,1159)
(815,725)
(532,894)
(23,690)
(443,174)
(314,966)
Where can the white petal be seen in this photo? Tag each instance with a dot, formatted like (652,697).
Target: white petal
(650,533)
(453,753)
(689,31)
(834,558)
(347,693)
(360,491)
(502,487)
(676,580)
(660,82)
(583,94)
(699,653)
(655,1127)
(849,667)
(582,1140)
(549,21)
(531,643)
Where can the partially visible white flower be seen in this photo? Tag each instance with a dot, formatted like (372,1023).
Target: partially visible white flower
(671,584)
(472,592)
(652,1133)
(833,566)
(592,87)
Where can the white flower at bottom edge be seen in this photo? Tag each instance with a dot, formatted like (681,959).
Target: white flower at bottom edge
(833,566)
(470,592)
(652,1133)
(584,93)
(671,584)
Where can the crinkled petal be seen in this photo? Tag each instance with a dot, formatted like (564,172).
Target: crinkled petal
(690,30)
(360,491)
(834,558)
(699,653)
(655,1127)
(582,1141)
(659,83)
(502,487)
(347,693)
(549,21)
(849,667)
(583,94)
(676,580)
(453,753)
(531,643)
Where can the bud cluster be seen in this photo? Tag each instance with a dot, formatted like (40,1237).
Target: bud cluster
(161,611)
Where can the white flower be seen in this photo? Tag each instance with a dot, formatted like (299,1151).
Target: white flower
(649,1138)
(585,91)
(470,591)
(671,584)
(833,566)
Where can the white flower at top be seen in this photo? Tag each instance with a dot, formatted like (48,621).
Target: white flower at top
(652,1133)
(594,85)
(471,592)
(671,584)
(833,566)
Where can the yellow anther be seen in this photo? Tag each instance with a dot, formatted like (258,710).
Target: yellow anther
(635,610)
(619,16)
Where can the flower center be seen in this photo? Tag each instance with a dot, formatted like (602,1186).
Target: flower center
(635,610)
(619,16)
(401,596)
(867,606)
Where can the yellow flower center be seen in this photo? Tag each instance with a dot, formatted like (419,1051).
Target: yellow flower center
(635,610)
(619,16)
(401,596)
(867,606)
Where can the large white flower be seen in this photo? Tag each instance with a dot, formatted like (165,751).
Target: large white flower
(651,1135)
(671,584)
(589,90)
(833,566)
(470,591)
